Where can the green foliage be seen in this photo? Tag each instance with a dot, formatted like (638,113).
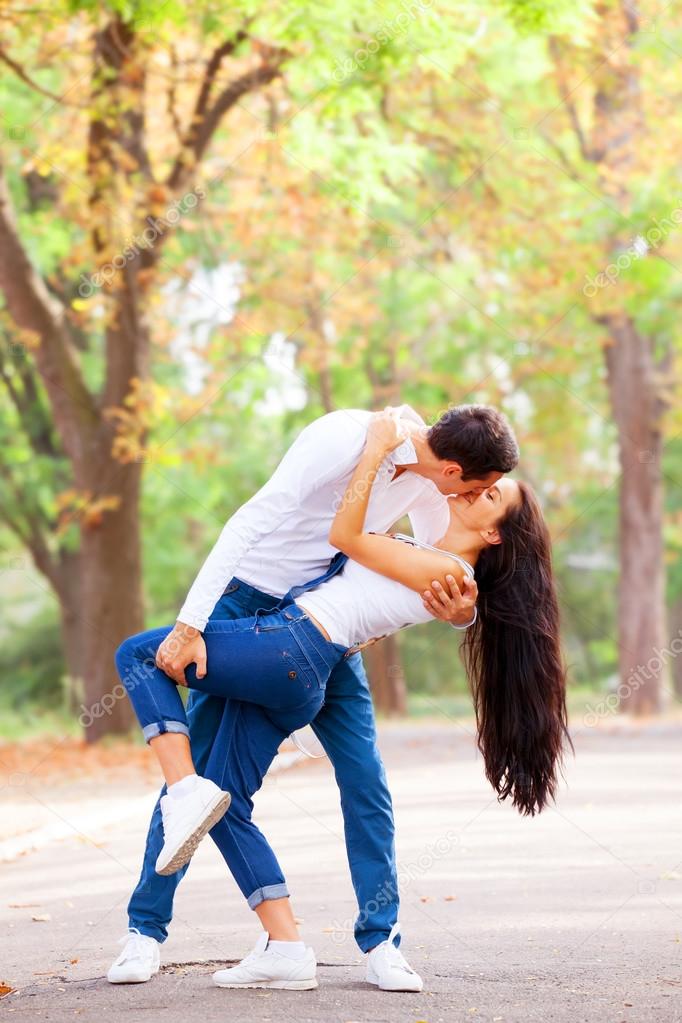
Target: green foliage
(558,16)
(413,179)
(32,666)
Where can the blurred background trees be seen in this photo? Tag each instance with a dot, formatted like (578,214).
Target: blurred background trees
(219,223)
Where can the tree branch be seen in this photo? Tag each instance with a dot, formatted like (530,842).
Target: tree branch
(212,69)
(566,98)
(34,309)
(206,117)
(560,154)
(117,124)
(20,73)
(171,98)
(29,405)
(29,532)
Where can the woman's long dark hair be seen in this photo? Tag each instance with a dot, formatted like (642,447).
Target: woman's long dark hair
(513,658)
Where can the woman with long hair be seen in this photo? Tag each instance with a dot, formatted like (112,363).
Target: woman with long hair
(282,660)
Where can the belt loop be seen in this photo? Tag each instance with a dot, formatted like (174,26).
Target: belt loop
(361,646)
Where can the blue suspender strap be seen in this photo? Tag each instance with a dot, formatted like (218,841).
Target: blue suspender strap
(335,565)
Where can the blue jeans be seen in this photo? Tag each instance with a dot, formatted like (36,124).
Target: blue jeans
(280,661)
(233,742)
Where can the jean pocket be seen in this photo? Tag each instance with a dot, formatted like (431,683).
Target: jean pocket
(299,667)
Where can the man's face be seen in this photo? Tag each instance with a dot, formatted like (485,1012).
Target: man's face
(448,479)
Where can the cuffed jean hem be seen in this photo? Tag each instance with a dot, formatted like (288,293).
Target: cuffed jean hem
(370,939)
(149,930)
(161,727)
(271,891)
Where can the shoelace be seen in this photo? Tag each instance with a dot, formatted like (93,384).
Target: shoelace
(396,958)
(393,954)
(133,944)
(255,953)
(297,742)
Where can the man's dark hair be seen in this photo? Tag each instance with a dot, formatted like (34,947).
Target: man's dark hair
(477,437)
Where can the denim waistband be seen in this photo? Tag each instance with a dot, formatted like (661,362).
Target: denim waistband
(250,592)
(330,653)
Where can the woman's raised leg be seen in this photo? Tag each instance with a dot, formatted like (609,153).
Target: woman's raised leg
(264,666)
(261,666)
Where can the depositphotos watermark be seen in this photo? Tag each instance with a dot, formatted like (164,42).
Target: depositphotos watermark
(141,673)
(387,31)
(146,239)
(639,248)
(635,680)
(388,893)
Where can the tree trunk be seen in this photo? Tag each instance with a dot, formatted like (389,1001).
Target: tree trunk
(634,375)
(386,676)
(112,606)
(106,604)
(637,407)
(675,643)
(68,590)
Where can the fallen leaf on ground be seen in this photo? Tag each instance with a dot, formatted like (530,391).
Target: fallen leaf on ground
(5,989)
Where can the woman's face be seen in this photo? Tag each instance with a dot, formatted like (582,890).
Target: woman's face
(483,512)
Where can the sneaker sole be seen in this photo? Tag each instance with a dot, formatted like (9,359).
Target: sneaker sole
(134,980)
(280,985)
(183,854)
(408,990)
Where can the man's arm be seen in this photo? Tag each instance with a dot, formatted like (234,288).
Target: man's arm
(326,449)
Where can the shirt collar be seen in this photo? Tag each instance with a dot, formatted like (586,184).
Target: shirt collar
(406,453)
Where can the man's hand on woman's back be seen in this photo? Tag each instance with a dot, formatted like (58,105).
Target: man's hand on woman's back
(456,607)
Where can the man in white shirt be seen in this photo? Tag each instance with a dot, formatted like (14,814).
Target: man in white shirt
(277,540)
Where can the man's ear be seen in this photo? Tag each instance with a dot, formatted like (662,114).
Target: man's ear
(452,469)
(491,536)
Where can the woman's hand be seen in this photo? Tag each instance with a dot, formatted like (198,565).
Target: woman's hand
(386,431)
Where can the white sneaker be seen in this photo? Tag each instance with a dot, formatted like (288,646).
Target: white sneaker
(388,968)
(185,822)
(138,961)
(264,968)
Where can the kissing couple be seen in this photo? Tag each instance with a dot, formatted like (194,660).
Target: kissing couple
(302,577)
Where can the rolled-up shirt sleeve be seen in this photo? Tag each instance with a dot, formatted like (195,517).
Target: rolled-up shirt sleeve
(325,450)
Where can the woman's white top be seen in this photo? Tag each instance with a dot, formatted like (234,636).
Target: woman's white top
(358,605)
